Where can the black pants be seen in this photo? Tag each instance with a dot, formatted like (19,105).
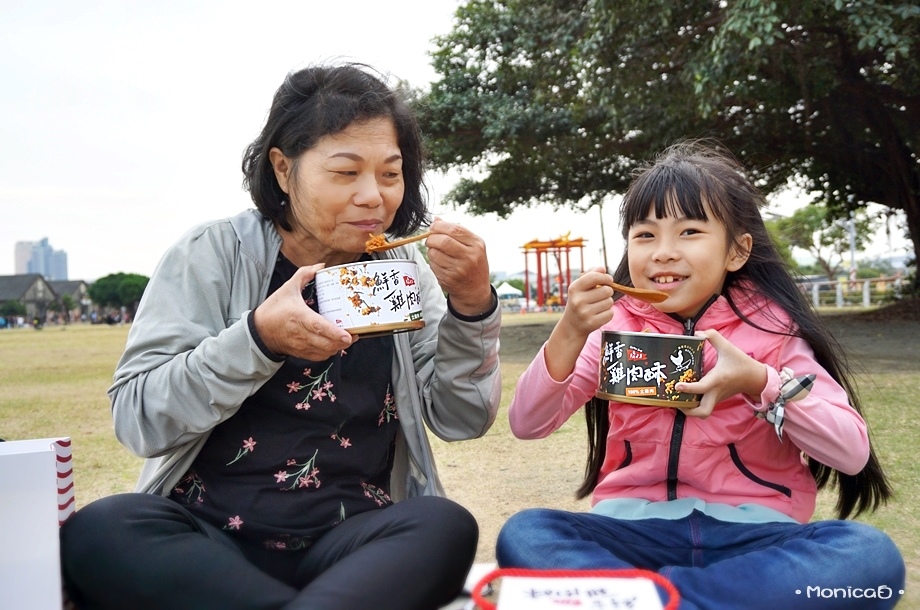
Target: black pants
(141,551)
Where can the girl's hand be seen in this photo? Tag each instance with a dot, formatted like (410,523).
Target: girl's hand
(288,326)
(589,303)
(734,373)
(588,307)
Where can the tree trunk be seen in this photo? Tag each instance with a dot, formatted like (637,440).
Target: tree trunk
(912,212)
(829,272)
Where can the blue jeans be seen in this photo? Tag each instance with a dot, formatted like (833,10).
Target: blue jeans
(716,564)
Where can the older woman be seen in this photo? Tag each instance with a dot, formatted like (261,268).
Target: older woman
(288,464)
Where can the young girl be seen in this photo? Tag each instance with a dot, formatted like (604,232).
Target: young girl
(717,498)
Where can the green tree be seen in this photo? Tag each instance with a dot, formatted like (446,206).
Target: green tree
(558,100)
(517,283)
(64,305)
(119,290)
(781,243)
(876,268)
(12,308)
(130,291)
(814,230)
(58,307)
(68,302)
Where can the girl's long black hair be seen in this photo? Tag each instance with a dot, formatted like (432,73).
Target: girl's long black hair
(681,179)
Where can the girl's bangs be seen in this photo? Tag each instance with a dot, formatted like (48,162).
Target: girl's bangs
(666,190)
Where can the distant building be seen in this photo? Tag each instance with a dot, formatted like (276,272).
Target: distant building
(78,291)
(58,266)
(39,257)
(31,290)
(22,256)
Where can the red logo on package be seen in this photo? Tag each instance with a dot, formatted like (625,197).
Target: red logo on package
(634,354)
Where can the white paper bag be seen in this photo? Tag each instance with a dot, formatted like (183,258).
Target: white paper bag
(36,497)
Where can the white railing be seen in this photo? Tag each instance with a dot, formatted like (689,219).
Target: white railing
(861,292)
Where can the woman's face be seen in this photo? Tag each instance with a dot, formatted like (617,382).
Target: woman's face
(688,259)
(345,188)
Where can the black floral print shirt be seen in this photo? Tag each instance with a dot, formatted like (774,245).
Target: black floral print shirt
(310,448)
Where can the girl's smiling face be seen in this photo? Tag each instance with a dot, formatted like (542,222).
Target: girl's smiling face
(684,257)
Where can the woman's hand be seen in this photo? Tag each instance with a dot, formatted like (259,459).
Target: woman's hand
(458,259)
(589,306)
(734,373)
(288,326)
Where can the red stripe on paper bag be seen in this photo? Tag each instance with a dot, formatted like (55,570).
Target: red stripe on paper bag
(67,501)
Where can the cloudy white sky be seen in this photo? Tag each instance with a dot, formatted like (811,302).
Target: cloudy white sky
(122,123)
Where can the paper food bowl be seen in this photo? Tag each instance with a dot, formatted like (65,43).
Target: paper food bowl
(643,368)
(372,297)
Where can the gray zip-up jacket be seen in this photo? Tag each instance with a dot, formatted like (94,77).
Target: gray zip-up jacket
(190,359)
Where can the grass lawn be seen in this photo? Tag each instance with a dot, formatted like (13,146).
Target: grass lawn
(53,383)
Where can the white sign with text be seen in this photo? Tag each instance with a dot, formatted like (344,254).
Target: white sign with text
(588,593)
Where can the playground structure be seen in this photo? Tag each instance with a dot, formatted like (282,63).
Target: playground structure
(560,249)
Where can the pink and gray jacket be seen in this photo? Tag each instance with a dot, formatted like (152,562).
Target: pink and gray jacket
(731,457)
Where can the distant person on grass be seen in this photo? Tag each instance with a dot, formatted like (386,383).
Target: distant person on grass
(717,498)
(288,462)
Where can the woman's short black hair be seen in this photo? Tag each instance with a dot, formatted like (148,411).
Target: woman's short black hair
(324,100)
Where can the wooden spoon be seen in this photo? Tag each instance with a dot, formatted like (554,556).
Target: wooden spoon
(643,294)
(371,246)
